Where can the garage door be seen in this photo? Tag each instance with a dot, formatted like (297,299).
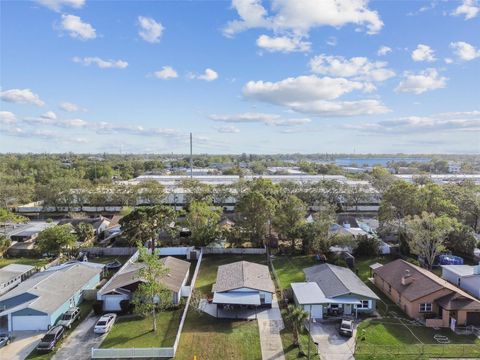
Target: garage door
(112,302)
(29,323)
(473,318)
(317,311)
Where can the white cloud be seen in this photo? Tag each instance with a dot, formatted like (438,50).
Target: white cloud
(31,133)
(208,75)
(57,5)
(49,115)
(448,60)
(21,96)
(359,68)
(78,29)
(72,123)
(464,51)
(150,30)
(7,118)
(228,129)
(167,72)
(469,8)
(425,80)
(299,17)
(71,107)
(384,50)
(341,108)
(102,64)
(459,121)
(283,44)
(423,53)
(264,118)
(332,41)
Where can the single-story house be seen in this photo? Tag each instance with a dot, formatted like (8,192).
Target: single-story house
(336,290)
(12,275)
(99,224)
(243,283)
(426,297)
(38,302)
(28,231)
(466,277)
(124,283)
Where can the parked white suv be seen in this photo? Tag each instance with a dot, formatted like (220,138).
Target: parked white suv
(69,317)
(346,328)
(105,323)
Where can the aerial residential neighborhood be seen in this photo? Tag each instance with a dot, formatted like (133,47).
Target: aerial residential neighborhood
(239,180)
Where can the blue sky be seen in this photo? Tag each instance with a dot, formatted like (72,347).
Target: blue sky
(243,76)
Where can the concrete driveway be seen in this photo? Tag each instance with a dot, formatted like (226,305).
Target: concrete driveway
(23,343)
(78,345)
(332,346)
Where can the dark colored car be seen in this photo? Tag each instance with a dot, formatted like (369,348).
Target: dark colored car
(4,340)
(114,265)
(51,338)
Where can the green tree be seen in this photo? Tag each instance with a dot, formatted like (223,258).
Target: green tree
(145,223)
(461,239)
(151,295)
(4,244)
(196,191)
(356,194)
(381,179)
(289,218)
(56,239)
(316,234)
(427,234)
(84,231)
(202,220)
(151,192)
(297,317)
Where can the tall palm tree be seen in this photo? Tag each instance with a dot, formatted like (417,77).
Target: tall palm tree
(297,317)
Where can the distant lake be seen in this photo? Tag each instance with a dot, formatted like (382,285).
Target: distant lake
(376,161)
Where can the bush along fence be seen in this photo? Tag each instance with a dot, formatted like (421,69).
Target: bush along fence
(234,251)
(156,353)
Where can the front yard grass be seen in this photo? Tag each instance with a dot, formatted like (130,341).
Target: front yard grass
(210,338)
(24,261)
(136,331)
(85,309)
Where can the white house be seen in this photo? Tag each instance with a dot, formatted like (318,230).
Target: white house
(126,281)
(243,283)
(12,275)
(465,277)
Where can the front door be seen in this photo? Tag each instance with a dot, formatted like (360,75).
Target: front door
(347,309)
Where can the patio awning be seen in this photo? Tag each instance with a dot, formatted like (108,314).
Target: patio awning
(344,300)
(237,298)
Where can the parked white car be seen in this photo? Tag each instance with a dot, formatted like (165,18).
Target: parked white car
(105,323)
(69,317)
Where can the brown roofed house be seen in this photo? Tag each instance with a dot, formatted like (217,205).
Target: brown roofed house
(426,297)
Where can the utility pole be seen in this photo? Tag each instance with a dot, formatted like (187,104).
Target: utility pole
(191,157)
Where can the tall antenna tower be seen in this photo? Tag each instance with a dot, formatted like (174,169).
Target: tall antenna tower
(191,157)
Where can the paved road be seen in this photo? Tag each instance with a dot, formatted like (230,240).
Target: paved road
(80,342)
(332,346)
(23,343)
(270,324)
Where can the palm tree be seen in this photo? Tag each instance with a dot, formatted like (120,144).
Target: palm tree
(296,316)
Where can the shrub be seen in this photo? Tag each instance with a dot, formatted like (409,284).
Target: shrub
(98,307)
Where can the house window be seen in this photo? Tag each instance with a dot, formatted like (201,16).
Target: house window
(426,307)
(334,306)
(364,304)
(389,289)
(459,281)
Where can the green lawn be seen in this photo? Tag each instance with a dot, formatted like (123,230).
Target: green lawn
(129,332)
(24,261)
(209,338)
(85,308)
(290,269)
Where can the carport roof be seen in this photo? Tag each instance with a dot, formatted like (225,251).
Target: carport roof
(308,293)
(237,298)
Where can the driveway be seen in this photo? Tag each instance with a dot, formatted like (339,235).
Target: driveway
(23,343)
(270,323)
(332,346)
(78,345)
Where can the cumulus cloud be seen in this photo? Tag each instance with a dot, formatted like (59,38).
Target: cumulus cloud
(57,5)
(7,118)
(71,107)
(425,80)
(464,51)
(451,121)
(283,44)
(299,17)
(359,68)
(150,30)
(228,129)
(21,96)
(166,73)
(469,8)
(30,133)
(76,28)
(102,64)
(384,50)
(255,117)
(49,115)
(423,53)
(208,75)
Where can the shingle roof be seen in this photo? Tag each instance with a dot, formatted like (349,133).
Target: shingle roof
(455,301)
(243,274)
(130,274)
(425,282)
(337,281)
